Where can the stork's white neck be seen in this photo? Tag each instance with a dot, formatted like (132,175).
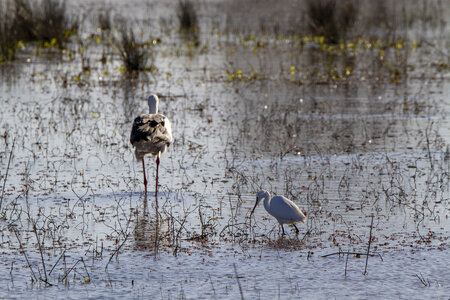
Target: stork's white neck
(153,103)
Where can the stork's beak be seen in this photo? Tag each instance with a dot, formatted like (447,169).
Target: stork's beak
(256,204)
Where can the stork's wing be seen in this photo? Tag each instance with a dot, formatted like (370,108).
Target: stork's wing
(151,128)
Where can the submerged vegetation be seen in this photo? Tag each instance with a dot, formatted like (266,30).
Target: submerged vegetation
(135,56)
(331,19)
(9,40)
(336,35)
(187,19)
(44,21)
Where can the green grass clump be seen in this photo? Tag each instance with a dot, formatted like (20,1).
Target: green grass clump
(43,21)
(9,40)
(187,18)
(134,55)
(105,20)
(331,19)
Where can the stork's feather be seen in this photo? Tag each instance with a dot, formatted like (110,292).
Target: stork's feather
(151,133)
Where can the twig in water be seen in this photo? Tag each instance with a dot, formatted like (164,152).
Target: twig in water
(88,276)
(25,255)
(308,232)
(117,250)
(428,146)
(12,267)
(368,248)
(203,235)
(40,251)
(353,253)
(309,255)
(222,234)
(70,270)
(238,282)
(177,236)
(49,273)
(65,268)
(346,261)
(212,285)
(6,175)
(422,279)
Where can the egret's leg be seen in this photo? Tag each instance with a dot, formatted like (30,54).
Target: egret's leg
(145,177)
(282,228)
(296,229)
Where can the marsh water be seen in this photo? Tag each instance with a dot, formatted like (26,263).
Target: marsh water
(347,136)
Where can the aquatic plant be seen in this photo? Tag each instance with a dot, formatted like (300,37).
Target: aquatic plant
(43,21)
(331,19)
(133,54)
(104,20)
(8,36)
(187,18)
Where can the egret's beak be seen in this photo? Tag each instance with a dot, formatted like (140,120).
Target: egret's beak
(256,204)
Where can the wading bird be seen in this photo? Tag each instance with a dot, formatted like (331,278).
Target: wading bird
(283,209)
(151,133)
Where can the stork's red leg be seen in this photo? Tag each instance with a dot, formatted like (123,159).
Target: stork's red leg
(156,187)
(145,177)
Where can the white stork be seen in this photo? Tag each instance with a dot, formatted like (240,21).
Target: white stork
(151,133)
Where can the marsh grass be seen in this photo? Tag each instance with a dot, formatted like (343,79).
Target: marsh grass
(336,21)
(331,19)
(134,55)
(44,21)
(104,20)
(187,18)
(8,35)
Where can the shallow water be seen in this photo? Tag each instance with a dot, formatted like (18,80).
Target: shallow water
(343,151)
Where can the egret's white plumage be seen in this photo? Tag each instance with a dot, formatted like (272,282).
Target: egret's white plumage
(280,207)
(151,134)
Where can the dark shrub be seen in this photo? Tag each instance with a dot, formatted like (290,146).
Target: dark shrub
(43,21)
(331,19)
(134,55)
(187,17)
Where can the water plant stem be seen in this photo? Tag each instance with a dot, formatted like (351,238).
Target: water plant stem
(238,282)
(368,247)
(7,170)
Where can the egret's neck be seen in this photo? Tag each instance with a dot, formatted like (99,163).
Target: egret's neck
(266,201)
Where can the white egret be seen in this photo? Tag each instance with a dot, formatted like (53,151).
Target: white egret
(151,134)
(283,209)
